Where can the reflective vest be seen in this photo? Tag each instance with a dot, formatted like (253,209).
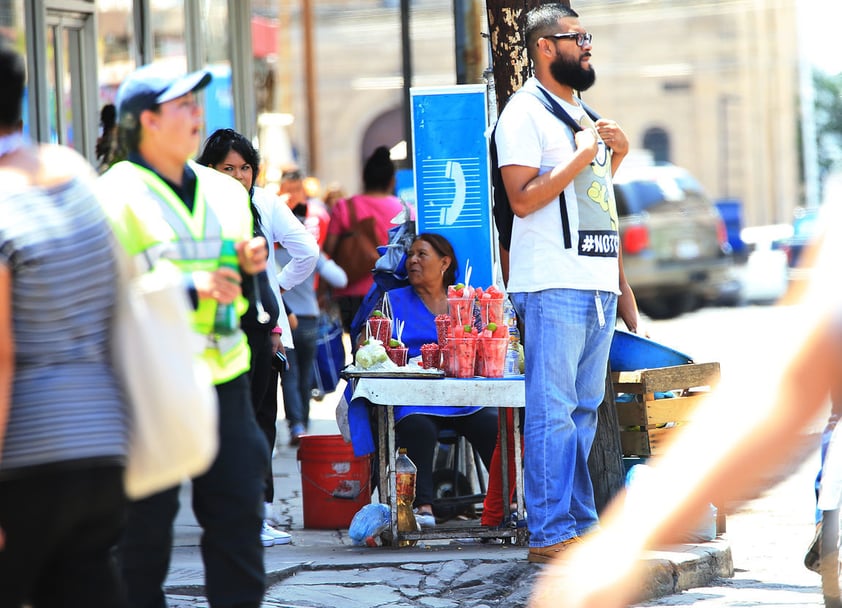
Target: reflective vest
(152,222)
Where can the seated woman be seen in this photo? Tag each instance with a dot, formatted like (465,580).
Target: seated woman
(431,267)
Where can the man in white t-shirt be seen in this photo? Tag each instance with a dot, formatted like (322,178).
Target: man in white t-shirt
(566,277)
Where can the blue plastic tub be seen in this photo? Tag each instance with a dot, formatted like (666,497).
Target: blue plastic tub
(630,352)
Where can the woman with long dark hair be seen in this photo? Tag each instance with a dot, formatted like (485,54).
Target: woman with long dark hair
(232,153)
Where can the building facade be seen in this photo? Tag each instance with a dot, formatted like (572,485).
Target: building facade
(708,85)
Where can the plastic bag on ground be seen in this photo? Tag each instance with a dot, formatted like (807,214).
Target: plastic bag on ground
(368,523)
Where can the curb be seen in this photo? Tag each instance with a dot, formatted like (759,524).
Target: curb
(686,567)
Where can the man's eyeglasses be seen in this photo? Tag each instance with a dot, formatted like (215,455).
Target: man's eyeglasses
(581,39)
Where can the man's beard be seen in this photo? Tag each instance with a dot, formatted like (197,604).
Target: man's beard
(300,210)
(569,72)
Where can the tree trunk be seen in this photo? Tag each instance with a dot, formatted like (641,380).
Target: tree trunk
(606,459)
(508,56)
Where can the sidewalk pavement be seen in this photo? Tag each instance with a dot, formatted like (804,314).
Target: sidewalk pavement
(324,568)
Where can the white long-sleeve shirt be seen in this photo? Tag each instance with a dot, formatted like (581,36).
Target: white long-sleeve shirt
(280,226)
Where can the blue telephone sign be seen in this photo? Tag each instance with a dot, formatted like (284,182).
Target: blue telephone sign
(451,170)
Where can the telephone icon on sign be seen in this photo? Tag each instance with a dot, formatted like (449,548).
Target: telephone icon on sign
(453,171)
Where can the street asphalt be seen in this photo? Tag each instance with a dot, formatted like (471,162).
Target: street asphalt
(323,568)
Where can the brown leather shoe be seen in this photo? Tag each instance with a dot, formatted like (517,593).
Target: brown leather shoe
(544,555)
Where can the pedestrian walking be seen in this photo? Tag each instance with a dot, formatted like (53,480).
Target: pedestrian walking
(566,277)
(186,212)
(372,211)
(63,418)
(231,153)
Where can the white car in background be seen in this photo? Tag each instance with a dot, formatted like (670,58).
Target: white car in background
(764,276)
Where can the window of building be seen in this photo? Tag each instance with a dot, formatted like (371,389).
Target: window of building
(657,141)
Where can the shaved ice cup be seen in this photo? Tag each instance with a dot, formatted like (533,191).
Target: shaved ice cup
(430,356)
(398,354)
(443,324)
(380,328)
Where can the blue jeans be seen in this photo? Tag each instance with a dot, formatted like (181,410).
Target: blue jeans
(297,381)
(228,504)
(566,354)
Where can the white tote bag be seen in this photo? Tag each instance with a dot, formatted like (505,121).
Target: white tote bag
(173,404)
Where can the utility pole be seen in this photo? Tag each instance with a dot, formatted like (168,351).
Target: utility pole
(468,25)
(310,88)
(406,71)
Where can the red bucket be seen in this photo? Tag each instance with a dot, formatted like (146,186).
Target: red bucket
(335,484)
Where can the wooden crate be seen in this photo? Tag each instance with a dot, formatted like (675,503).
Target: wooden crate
(646,423)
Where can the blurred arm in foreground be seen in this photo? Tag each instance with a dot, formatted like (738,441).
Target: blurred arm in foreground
(763,429)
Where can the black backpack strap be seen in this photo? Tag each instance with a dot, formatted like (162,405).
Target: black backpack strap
(554,108)
(559,112)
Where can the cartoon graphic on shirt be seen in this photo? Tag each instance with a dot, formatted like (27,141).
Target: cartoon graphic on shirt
(598,224)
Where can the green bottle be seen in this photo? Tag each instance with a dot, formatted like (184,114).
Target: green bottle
(226,321)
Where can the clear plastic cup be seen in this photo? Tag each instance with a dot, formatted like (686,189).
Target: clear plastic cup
(491,356)
(398,354)
(491,311)
(462,355)
(444,351)
(461,310)
(443,324)
(430,356)
(380,328)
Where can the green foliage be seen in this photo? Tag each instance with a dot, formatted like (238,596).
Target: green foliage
(828,113)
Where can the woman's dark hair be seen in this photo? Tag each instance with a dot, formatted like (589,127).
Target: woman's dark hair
(13,77)
(379,170)
(443,247)
(219,144)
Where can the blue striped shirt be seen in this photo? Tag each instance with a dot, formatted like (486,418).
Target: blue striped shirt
(66,402)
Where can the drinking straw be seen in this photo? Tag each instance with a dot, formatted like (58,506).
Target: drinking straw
(468,270)
(387,306)
(399,325)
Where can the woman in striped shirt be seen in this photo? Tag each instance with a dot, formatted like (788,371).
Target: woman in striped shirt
(63,420)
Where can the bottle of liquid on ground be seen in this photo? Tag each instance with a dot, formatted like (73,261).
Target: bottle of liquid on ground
(226,321)
(405,473)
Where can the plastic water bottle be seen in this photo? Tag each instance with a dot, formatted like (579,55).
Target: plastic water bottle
(226,321)
(405,474)
(511,366)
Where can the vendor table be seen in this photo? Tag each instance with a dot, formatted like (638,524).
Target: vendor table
(486,392)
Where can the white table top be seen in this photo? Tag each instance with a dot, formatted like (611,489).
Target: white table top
(486,392)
